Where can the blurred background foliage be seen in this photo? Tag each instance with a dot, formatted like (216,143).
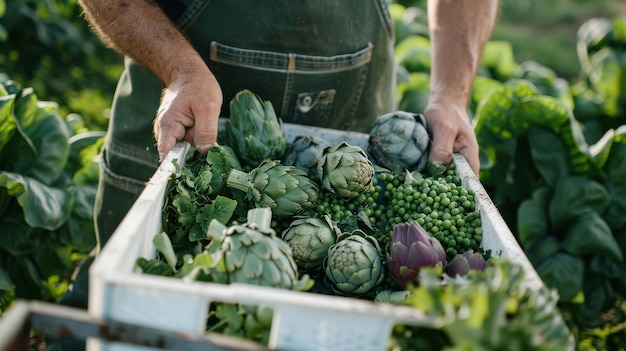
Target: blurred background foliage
(47,45)
(545,31)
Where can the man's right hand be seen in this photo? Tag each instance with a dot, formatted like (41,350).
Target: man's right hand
(190,109)
(192,99)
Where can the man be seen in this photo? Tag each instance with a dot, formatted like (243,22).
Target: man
(326,62)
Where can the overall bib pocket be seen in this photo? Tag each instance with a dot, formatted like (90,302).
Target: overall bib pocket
(310,90)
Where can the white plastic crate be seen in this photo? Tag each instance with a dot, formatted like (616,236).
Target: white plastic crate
(301,320)
(57,322)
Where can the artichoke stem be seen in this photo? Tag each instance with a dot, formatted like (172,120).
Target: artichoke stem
(238,180)
(261,216)
(216,230)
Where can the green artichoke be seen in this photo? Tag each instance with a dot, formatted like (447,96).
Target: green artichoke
(254,130)
(345,170)
(286,190)
(411,249)
(208,181)
(305,153)
(310,238)
(399,139)
(251,253)
(211,175)
(354,264)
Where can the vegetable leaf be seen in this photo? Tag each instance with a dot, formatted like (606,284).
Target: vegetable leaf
(532,219)
(163,244)
(601,150)
(16,237)
(44,207)
(549,154)
(492,310)
(551,113)
(590,234)
(575,196)
(543,248)
(599,297)
(564,273)
(5,281)
(7,123)
(615,169)
(221,209)
(496,127)
(155,267)
(41,142)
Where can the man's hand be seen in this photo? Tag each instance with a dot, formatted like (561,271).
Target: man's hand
(459,30)
(452,133)
(191,102)
(190,109)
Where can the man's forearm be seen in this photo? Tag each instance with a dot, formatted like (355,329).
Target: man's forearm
(139,29)
(459,29)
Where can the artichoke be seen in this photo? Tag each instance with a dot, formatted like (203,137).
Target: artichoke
(211,175)
(286,190)
(354,264)
(399,139)
(345,170)
(310,238)
(461,264)
(251,253)
(208,181)
(254,130)
(305,153)
(411,248)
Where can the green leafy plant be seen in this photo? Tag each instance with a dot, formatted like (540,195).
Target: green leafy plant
(554,164)
(484,310)
(48,45)
(48,182)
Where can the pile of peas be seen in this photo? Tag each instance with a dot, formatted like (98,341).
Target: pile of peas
(445,209)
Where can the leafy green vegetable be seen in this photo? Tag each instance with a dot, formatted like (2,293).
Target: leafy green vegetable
(46,220)
(615,183)
(599,296)
(574,197)
(163,244)
(563,272)
(533,223)
(194,198)
(590,234)
(546,80)
(488,310)
(549,154)
(44,207)
(551,113)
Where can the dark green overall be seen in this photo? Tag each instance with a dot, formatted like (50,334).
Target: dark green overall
(327,63)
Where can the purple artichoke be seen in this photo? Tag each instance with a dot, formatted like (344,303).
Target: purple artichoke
(411,249)
(462,263)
